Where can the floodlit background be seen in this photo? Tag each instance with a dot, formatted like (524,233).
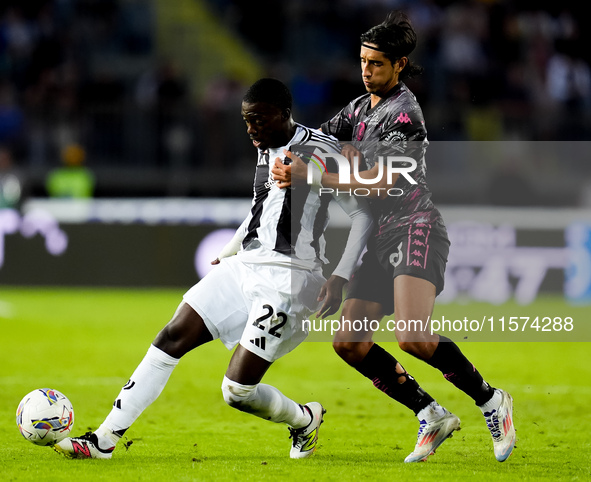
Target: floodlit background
(150,90)
(138,103)
(121,134)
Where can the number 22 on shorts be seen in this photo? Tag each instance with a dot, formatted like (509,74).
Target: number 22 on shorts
(273,330)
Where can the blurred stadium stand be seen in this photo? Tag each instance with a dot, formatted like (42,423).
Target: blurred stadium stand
(152,88)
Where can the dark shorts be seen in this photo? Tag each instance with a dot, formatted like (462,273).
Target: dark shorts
(418,250)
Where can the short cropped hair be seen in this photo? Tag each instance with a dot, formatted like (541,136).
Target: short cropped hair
(396,38)
(271,91)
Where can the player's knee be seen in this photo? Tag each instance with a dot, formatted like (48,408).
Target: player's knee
(236,395)
(183,333)
(408,346)
(169,341)
(351,352)
(169,334)
(420,350)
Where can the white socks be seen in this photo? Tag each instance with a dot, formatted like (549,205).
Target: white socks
(431,412)
(434,411)
(493,403)
(152,374)
(144,386)
(266,402)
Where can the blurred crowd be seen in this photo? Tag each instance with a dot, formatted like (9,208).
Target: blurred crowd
(494,69)
(88,75)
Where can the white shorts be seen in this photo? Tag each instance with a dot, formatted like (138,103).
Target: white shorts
(260,306)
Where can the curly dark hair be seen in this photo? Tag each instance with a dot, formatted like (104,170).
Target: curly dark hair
(397,38)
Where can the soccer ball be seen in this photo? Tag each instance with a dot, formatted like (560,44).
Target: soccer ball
(45,416)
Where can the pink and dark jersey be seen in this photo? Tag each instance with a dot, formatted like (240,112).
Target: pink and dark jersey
(394,127)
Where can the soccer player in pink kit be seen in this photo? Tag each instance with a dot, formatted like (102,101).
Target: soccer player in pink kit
(403,269)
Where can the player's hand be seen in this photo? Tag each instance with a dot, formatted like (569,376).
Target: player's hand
(281,173)
(353,155)
(332,295)
(298,171)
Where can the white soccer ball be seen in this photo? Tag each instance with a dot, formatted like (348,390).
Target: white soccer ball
(45,416)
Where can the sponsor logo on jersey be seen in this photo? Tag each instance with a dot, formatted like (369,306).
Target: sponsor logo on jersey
(263,160)
(403,118)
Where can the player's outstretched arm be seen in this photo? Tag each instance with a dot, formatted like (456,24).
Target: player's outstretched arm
(361,227)
(233,246)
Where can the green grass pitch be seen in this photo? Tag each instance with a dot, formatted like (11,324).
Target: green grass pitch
(86,343)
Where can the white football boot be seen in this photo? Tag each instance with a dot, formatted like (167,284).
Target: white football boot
(432,434)
(499,420)
(305,439)
(83,447)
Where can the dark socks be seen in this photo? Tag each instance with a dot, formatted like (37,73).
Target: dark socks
(458,370)
(380,367)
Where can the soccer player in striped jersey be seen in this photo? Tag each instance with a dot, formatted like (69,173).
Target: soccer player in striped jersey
(404,266)
(268,279)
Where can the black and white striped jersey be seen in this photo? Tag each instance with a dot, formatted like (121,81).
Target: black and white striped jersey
(292,221)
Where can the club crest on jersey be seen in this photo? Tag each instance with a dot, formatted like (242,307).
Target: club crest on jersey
(396,140)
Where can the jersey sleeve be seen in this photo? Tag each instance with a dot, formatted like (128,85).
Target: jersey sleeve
(404,135)
(234,245)
(361,227)
(341,125)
